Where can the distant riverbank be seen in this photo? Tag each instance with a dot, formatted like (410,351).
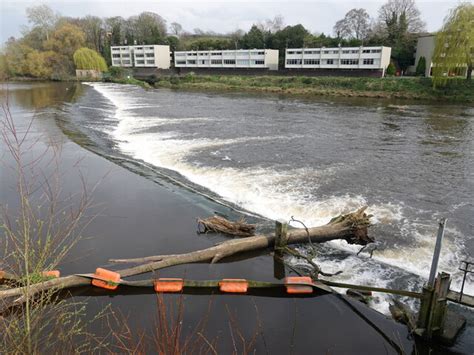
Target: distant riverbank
(457,90)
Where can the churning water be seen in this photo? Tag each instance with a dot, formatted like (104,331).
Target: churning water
(312,159)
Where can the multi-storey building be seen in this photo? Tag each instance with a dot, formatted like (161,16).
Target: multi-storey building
(360,58)
(241,58)
(148,56)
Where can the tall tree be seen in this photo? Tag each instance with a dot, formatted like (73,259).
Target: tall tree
(115,27)
(65,40)
(454,49)
(254,38)
(176,29)
(395,8)
(93,28)
(354,25)
(147,28)
(42,18)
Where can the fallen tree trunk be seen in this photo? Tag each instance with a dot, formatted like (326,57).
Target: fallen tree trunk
(351,227)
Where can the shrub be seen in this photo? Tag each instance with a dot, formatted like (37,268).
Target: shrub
(89,59)
(391,70)
(421,67)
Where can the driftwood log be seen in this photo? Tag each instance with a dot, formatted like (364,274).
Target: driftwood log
(351,227)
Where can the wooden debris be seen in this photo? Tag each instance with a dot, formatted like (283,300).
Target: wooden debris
(218,224)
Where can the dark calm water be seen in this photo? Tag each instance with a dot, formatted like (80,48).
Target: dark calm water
(411,163)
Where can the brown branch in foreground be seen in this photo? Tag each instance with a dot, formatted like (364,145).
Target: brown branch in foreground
(351,227)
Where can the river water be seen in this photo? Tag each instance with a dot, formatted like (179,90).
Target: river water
(411,163)
(273,157)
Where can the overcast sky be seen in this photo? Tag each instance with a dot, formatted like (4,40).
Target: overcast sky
(219,15)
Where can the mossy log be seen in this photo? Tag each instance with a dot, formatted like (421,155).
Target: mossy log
(351,227)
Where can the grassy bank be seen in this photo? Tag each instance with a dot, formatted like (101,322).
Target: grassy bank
(457,90)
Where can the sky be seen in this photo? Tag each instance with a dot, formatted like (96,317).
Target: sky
(220,16)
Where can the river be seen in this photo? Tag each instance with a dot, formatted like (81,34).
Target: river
(272,157)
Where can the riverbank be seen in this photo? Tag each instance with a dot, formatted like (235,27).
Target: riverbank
(458,90)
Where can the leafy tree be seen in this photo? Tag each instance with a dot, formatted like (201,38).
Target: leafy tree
(355,24)
(173,42)
(39,65)
(454,48)
(148,28)
(254,38)
(66,39)
(421,67)
(43,19)
(86,58)
(395,8)
(16,53)
(391,70)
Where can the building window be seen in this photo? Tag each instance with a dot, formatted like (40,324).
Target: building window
(126,55)
(115,55)
(125,62)
(354,51)
(139,48)
(312,52)
(243,62)
(216,54)
(366,51)
(138,55)
(191,61)
(140,62)
(180,62)
(368,61)
(216,61)
(179,54)
(149,47)
(261,53)
(258,62)
(330,61)
(229,61)
(349,62)
(346,52)
(375,51)
(150,62)
(293,61)
(150,55)
(311,61)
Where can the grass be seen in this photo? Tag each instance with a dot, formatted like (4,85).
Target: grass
(457,90)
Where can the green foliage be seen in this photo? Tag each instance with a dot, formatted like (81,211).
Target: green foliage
(391,70)
(85,58)
(254,38)
(421,67)
(454,48)
(66,39)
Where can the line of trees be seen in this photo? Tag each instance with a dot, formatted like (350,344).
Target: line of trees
(47,47)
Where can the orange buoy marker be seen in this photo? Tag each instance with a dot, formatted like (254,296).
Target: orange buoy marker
(298,284)
(168,285)
(51,273)
(233,285)
(107,279)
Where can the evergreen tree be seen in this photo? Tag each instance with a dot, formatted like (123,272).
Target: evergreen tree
(421,67)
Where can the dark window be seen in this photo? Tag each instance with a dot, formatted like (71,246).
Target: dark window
(330,61)
(311,61)
(349,61)
(216,61)
(181,62)
(293,61)
(229,61)
(191,61)
(259,62)
(368,61)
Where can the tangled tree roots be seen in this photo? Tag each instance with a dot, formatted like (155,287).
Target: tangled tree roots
(217,224)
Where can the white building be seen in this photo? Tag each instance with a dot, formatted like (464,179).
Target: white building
(365,58)
(147,56)
(425,48)
(242,58)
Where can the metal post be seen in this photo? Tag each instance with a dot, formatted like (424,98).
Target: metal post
(437,251)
